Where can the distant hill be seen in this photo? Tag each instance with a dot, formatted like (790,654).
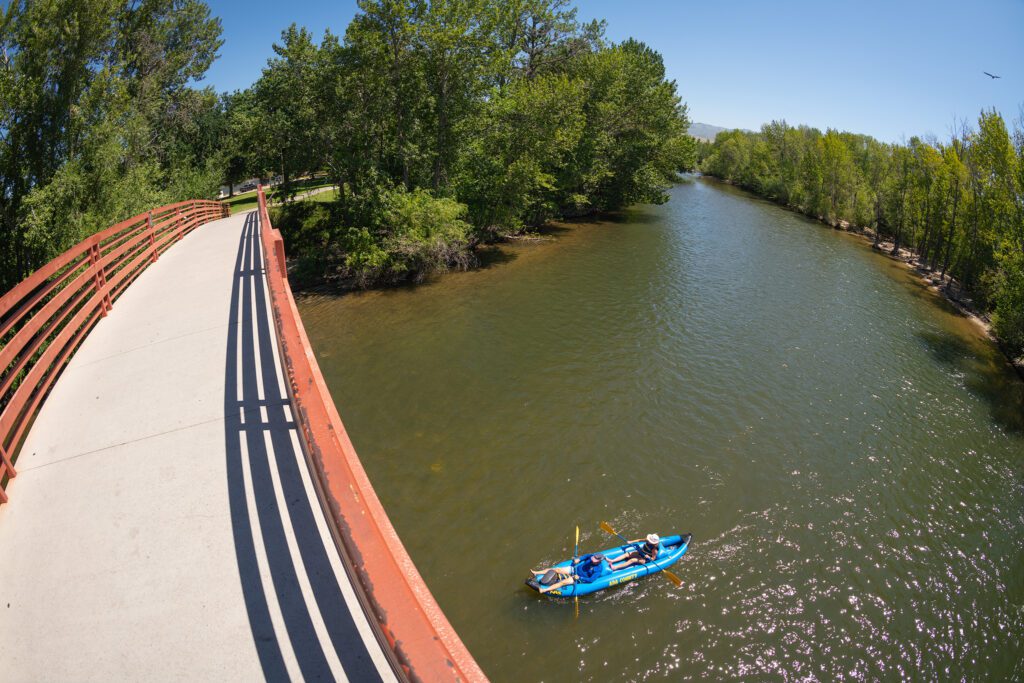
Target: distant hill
(705,131)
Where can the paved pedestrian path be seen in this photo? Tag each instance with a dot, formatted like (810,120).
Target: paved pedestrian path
(166,526)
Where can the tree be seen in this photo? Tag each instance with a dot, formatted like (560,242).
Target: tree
(838,173)
(512,110)
(285,96)
(98,119)
(508,174)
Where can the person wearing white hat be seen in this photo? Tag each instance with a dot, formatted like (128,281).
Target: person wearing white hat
(638,554)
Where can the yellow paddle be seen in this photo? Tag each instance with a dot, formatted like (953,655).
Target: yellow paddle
(669,575)
(576,598)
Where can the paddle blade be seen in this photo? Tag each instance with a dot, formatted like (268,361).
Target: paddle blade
(605,526)
(577,601)
(577,537)
(672,577)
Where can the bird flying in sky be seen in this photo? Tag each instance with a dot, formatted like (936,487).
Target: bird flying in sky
(990,75)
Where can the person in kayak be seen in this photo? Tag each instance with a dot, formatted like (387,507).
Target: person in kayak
(640,554)
(585,569)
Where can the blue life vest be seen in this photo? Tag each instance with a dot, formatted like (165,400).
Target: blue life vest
(587,571)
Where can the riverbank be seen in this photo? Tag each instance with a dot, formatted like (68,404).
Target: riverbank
(479,256)
(943,286)
(328,273)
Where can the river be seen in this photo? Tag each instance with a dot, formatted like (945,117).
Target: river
(846,450)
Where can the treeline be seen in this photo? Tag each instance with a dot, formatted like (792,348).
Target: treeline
(454,122)
(957,204)
(445,123)
(99,119)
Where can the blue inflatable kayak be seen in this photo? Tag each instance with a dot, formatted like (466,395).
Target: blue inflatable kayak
(670,550)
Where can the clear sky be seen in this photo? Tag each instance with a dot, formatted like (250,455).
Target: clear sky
(888,69)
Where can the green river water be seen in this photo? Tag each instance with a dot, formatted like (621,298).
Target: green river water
(845,449)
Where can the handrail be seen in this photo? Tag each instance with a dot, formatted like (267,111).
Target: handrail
(409,624)
(44,319)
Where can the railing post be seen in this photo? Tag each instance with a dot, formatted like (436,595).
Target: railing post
(181,225)
(99,279)
(152,239)
(11,472)
(282,263)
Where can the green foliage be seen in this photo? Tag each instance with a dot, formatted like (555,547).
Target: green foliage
(508,174)
(412,234)
(97,118)
(629,150)
(423,233)
(513,111)
(1008,298)
(958,205)
(388,235)
(286,129)
(304,226)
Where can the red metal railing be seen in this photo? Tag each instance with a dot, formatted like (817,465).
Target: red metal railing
(44,319)
(411,626)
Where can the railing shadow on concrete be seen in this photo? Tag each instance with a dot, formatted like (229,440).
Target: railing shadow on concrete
(261,457)
(45,318)
(410,625)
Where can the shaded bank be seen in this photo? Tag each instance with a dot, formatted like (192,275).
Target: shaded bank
(941,284)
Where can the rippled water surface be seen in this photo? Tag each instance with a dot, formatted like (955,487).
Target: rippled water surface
(846,451)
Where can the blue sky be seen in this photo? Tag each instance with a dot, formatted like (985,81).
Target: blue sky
(888,69)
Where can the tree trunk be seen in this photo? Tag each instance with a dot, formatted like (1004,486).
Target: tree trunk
(972,250)
(952,229)
(878,220)
(442,134)
(936,250)
(899,228)
(924,245)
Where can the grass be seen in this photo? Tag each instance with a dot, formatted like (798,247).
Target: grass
(323,197)
(247,201)
(242,202)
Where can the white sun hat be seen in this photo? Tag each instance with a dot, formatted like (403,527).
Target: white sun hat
(653,539)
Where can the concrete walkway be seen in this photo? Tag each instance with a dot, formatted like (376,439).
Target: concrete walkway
(163,525)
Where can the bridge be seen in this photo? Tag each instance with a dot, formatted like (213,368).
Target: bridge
(178,495)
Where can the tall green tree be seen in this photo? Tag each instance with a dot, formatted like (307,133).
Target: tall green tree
(288,128)
(98,117)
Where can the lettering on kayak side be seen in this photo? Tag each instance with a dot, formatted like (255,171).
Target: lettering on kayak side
(623,579)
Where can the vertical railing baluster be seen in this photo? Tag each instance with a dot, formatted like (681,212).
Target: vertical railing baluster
(9,466)
(152,239)
(99,279)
